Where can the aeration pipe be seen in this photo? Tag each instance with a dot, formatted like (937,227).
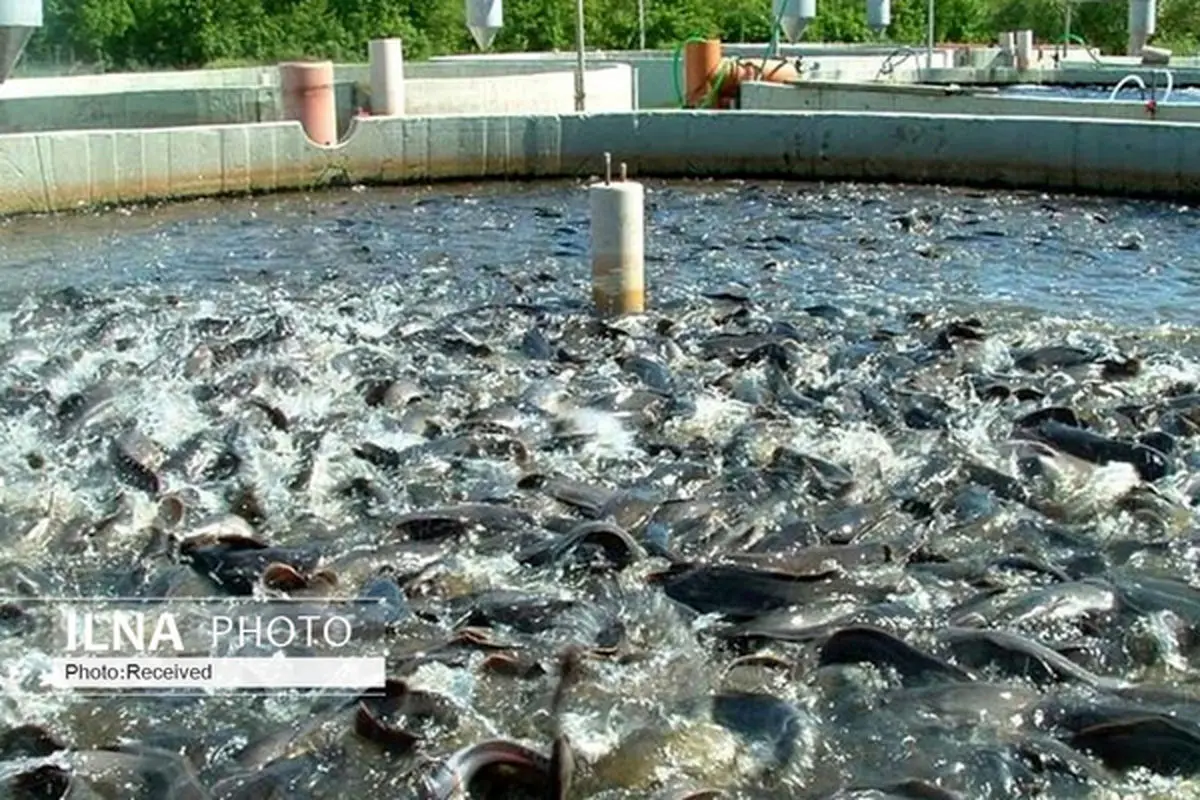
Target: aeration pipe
(712,81)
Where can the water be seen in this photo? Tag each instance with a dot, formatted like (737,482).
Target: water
(199,316)
(1186,95)
(1133,262)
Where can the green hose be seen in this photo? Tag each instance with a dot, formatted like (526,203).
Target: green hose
(1077,39)
(714,91)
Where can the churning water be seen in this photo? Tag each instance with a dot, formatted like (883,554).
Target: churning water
(892,490)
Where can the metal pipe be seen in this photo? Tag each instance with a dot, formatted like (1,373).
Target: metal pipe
(579,62)
(1067,33)
(929,36)
(641,24)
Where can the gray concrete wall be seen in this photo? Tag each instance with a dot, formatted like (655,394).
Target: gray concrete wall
(1069,74)
(218,97)
(814,96)
(65,170)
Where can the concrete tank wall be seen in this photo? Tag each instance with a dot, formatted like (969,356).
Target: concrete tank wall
(937,100)
(216,97)
(656,84)
(65,170)
(606,88)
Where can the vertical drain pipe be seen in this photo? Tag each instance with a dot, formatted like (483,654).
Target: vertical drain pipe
(701,63)
(1024,49)
(1008,46)
(618,244)
(387,77)
(308,97)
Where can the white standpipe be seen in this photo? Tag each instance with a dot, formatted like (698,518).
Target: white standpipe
(618,244)
(387,77)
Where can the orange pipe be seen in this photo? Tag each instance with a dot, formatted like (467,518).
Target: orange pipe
(701,61)
(308,97)
(703,65)
(774,70)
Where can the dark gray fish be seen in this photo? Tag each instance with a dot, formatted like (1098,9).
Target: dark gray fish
(1018,656)
(1156,742)
(276,417)
(865,644)
(497,765)
(1150,464)
(29,741)
(81,409)
(653,375)
(589,499)
(589,542)
(821,477)
(138,460)
(536,346)
(1059,414)
(522,611)
(395,393)
(459,520)
(236,562)
(760,716)
(381,719)
(1054,357)
(737,591)
(43,782)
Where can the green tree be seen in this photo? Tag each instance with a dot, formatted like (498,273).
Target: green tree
(132,34)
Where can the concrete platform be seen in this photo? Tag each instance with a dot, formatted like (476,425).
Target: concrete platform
(225,96)
(925,99)
(66,170)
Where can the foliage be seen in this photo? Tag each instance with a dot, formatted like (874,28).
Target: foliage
(132,34)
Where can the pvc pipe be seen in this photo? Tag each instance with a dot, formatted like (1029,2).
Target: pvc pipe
(703,66)
(308,97)
(701,61)
(387,77)
(1024,49)
(618,244)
